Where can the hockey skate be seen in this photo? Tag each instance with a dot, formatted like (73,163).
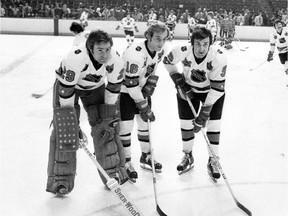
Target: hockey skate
(212,168)
(146,163)
(133,175)
(187,163)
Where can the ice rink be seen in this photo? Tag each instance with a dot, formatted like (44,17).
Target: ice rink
(253,151)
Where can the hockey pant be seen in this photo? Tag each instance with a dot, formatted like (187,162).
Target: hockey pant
(108,147)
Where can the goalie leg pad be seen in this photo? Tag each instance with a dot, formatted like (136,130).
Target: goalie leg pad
(61,167)
(108,147)
(65,122)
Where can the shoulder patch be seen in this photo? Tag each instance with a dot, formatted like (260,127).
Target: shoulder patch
(138,48)
(219,51)
(85,68)
(110,68)
(77,51)
(184,48)
(275,37)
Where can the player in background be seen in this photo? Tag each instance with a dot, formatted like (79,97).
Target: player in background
(152,18)
(202,80)
(191,25)
(93,72)
(84,17)
(279,39)
(128,24)
(141,62)
(171,23)
(212,25)
(80,33)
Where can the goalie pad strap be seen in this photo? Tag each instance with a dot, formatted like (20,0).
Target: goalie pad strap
(66,127)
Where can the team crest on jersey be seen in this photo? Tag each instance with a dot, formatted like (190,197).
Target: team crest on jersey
(85,68)
(77,51)
(133,68)
(184,48)
(110,68)
(138,48)
(198,76)
(209,66)
(150,69)
(282,40)
(186,63)
(223,73)
(168,59)
(93,78)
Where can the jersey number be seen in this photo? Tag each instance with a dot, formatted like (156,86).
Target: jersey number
(67,75)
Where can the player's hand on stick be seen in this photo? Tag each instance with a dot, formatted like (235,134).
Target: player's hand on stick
(270,56)
(149,88)
(182,87)
(145,111)
(202,118)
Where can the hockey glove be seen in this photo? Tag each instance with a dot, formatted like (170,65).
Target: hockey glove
(201,119)
(149,87)
(270,56)
(145,111)
(182,87)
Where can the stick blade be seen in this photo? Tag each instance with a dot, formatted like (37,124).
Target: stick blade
(160,212)
(37,95)
(243,208)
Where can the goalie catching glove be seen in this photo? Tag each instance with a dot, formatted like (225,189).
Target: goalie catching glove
(183,88)
(202,118)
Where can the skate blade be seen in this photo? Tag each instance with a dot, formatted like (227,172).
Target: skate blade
(132,180)
(148,168)
(186,170)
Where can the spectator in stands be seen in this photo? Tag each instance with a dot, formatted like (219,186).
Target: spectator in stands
(58,11)
(247,17)
(2,11)
(258,20)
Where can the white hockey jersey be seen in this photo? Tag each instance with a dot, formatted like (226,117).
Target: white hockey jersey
(279,40)
(212,26)
(128,24)
(205,77)
(191,23)
(81,37)
(139,65)
(78,70)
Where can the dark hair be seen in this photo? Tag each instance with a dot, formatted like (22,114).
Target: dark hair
(76,27)
(276,21)
(201,33)
(158,27)
(96,37)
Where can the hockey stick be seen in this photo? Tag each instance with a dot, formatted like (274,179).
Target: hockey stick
(240,42)
(158,209)
(239,47)
(39,95)
(242,207)
(112,184)
(257,66)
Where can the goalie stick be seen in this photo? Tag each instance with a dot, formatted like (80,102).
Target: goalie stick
(39,95)
(158,209)
(112,184)
(242,207)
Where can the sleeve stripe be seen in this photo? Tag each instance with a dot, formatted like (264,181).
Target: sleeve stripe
(218,85)
(131,82)
(114,87)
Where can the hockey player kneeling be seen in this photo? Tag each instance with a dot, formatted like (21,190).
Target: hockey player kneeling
(108,147)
